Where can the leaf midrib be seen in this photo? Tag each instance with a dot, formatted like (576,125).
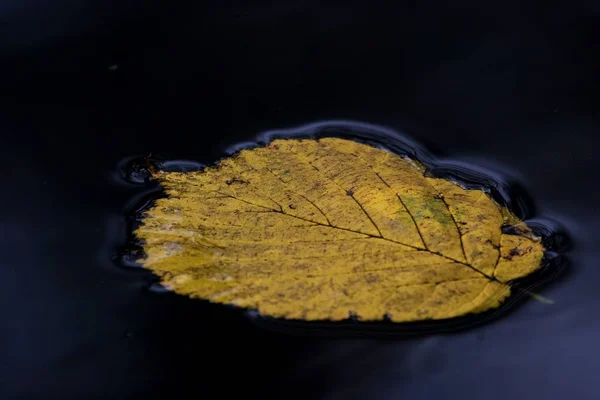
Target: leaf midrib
(491,278)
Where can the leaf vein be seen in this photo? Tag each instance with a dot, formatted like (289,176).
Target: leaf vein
(412,217)
(350,194)
(299,194)
(460,235)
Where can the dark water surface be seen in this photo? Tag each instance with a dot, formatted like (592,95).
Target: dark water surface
(510,88)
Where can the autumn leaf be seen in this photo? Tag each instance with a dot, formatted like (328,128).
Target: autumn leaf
(324,229)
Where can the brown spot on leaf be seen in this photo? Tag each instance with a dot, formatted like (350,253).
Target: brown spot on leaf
(231,181)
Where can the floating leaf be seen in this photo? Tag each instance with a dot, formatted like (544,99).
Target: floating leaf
(324,229)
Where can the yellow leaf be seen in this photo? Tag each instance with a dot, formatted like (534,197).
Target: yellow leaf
(324,229)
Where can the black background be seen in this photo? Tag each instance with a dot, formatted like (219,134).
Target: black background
(83,85)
